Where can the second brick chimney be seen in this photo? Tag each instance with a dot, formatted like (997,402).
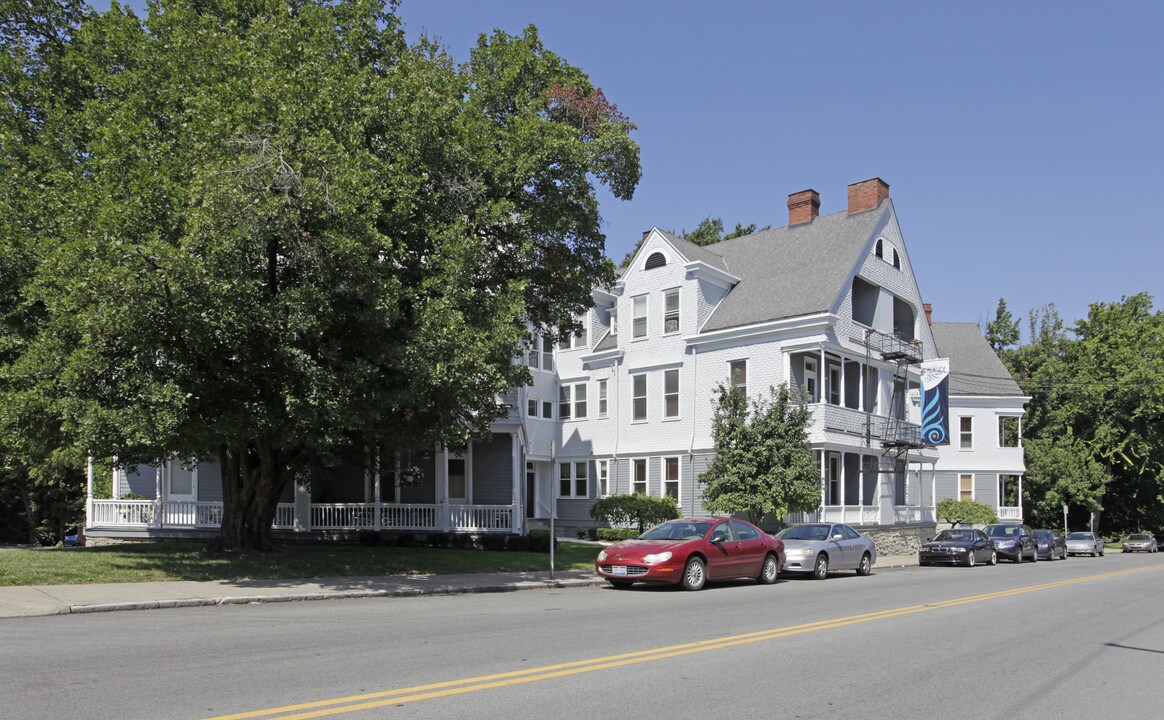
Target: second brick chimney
(867,194)
(929,313)
(803,206)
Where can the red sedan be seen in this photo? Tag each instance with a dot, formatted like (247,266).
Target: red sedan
(691,551)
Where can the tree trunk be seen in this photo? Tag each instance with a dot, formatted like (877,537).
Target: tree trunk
(252,481)
(30,514)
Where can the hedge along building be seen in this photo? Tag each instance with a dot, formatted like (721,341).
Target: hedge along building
(828,305)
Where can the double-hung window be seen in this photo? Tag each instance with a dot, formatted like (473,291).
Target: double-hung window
(738,375)
(572,402)
(547,354)
(639,476)
(671,311)
(639,326)
(534,354)
(567,341)
(965,487)
(670,393)
(531,408)
(547,410)
(966,433)
(602,471)
(573,480)
(671,477)
(602,398)
(639,398)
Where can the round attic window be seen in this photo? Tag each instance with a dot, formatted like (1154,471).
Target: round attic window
(656,259)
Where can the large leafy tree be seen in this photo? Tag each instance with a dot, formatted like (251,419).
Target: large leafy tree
(762,464)
(1094,431)
(290,236)
(41,476)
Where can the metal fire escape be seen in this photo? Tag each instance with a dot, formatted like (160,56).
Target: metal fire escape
(898,436)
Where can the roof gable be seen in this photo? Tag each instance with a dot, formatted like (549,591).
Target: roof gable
(975,369)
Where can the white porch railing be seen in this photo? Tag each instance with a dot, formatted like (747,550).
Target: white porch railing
(108,514)
(191,514)
(123,512)
(913,513)
(1010,513)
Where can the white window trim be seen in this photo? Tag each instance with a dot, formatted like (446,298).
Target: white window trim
(973,487)
(678,479)
(599,467)
(646,474)
(646,317)
(646,397)
(467,457)
(731,378)
(961,432)
(167,476)
(678,311)
(810,371)
(573,465)
(603,392)
(678,396)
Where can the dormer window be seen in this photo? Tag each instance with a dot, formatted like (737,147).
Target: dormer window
(655,260)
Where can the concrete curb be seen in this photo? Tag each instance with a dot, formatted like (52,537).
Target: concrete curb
(341,595)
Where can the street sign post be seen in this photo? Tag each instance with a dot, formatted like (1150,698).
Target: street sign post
(1064,518)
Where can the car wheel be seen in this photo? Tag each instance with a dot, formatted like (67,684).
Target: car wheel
(694,574)
(993,558)
(821,570)
(1101,552)
(770,570)
(866,566)
(620,584)
(970,559)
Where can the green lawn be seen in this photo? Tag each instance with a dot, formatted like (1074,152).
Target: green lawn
(147,562)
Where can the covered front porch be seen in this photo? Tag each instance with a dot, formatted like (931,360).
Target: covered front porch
(477,490)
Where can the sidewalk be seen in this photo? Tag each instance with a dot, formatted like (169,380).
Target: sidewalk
(30,601)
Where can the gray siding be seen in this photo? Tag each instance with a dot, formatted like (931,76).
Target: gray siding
(493,471)
(210,482)
(141,480)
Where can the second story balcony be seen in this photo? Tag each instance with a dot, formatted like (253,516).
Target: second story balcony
(833,423)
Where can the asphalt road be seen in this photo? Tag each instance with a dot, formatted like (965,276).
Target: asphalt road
(1082,638)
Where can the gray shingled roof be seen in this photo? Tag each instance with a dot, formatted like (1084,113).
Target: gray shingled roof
(791,271)
(608,342)
(974,368)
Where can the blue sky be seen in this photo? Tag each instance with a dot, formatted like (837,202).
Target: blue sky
(1023,142)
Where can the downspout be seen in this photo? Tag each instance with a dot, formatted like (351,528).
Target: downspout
(691,445)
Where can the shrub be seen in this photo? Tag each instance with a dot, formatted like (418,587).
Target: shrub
(368,538)
(406,540)
(440,539)
(462,541)
(616,534)
(539,540)
(635,510)
(966,512)
(495,542)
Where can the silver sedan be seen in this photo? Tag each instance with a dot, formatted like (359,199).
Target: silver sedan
(1140,542)
(1084,543)
(817,548)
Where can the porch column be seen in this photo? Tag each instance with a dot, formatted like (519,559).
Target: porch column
(822,388)
(376,488)
(844,388)
(1020,496)
(443,488)
(89,492)
(116,488)
(158,494)
(824,479)
(517,472)
(864,370)
(861,486)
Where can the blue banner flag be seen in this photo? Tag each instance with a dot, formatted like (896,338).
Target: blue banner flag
(935,402)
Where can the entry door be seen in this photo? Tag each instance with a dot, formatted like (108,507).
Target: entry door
(531,484)
(458,467)
(181,491)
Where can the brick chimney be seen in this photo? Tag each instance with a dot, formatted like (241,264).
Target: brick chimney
(929,313)
(867,194)
(646,233)
(803,206)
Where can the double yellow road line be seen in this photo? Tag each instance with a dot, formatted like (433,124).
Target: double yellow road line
(370,701)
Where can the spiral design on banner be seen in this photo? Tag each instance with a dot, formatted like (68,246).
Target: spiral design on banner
(933,429)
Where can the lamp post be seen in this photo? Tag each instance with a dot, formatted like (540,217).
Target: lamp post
(553,502)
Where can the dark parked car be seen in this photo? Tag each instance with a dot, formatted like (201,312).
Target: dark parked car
(1140,542)
(1013,541)
(1050,546)
(691,551)
(963,546)
(818,548)
(1084,543)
